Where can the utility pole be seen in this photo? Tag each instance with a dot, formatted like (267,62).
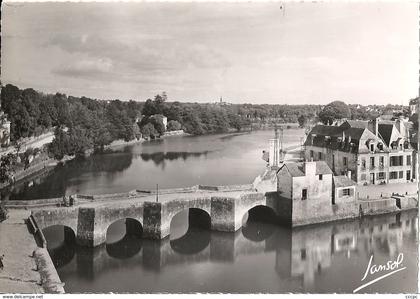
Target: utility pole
(157,192)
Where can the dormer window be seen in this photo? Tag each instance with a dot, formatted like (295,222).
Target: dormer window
(380,146)
(372,147)
(394,145)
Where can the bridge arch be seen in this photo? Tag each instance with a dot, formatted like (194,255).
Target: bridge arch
(187,221)
(256,223)
(260,213)
(60,243)
(122,229)
(57,234)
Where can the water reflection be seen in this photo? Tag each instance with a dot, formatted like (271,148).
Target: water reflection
(125,248)
(323,258)
(159,158)
(55,183)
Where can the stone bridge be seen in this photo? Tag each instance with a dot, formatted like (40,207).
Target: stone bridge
(89,219)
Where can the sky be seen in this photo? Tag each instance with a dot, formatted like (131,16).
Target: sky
(290,53)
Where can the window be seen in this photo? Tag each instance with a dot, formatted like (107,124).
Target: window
(363,163)
(381,161)
(381,175)
(401,174)
(372,162)
(372,147)
(320,177)
(396,161)
(345,161)
(408,175)
(408,160)
(304,194)
(393,175)
(319,156)
(363,177)
(303,254)
(394,145)
(346,192)
(311,153)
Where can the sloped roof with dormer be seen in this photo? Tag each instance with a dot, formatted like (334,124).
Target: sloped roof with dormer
(343,138)
(297,169)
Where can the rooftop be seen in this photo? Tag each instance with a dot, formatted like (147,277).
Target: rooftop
(298,169)
(343,181)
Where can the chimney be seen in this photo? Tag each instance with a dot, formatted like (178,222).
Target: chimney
(344,137)
(400,125)
(310,168)
(376,126)
(274,152)
(349,174)
(312,138)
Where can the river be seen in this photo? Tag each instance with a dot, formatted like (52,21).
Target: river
(259,258)
(171,162)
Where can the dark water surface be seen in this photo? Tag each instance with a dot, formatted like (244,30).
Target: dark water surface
(260,257)
(171,162)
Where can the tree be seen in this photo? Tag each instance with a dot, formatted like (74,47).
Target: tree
(149,108)
(149,131)
(334,111)
(157,121)
(302,120)
(7,167)
(78,141)
(60,146)
(174,125)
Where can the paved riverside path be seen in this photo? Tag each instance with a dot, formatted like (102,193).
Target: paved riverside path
(17,244)
(375,191)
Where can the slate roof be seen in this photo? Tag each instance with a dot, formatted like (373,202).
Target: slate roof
(298,169)
(326,130)
(343,181)
(318,137)
(385,129)
(361,124)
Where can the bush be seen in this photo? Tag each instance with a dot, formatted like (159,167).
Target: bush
(174,125)
(3,211)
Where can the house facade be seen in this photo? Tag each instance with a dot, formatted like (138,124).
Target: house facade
(308,195)
(414,104)
(375,152)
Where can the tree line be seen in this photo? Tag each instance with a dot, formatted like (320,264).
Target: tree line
(83,123)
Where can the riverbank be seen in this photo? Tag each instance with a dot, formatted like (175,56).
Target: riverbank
(121,142)
(34,170)
(24,264)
